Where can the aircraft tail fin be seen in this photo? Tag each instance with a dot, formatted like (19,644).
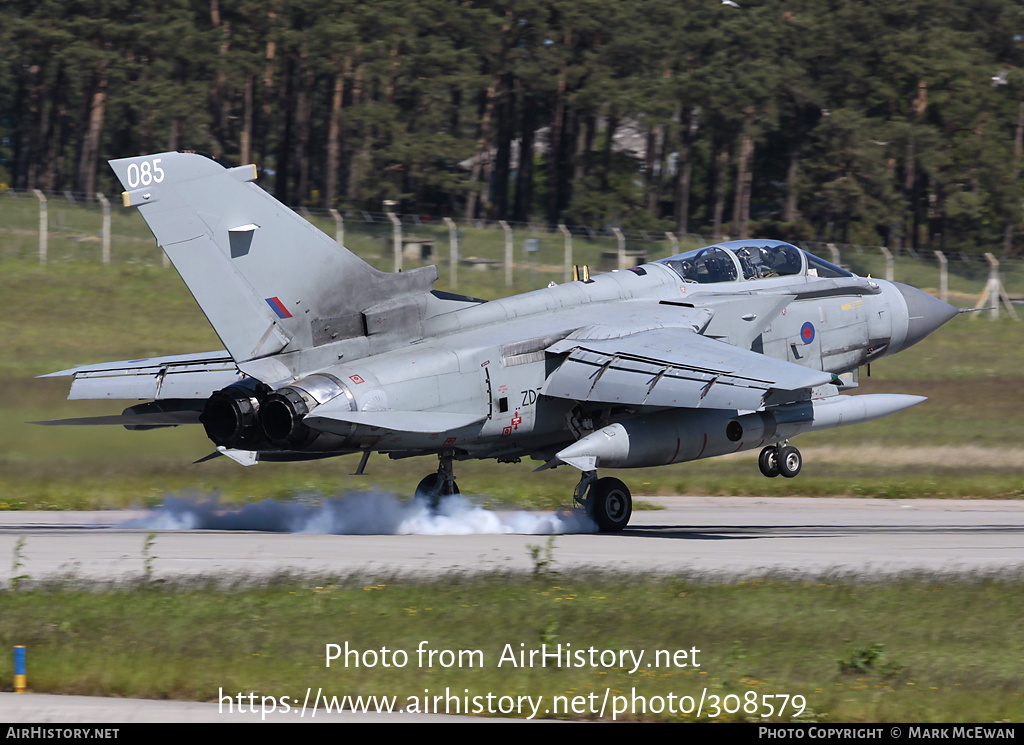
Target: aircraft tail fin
(267,279)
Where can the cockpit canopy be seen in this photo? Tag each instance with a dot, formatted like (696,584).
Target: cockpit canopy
(748,259)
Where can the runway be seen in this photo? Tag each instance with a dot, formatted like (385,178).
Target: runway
(707,536)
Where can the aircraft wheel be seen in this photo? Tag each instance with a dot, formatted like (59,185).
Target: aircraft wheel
(790,461)
(431,488)
(610,505)
(768,461)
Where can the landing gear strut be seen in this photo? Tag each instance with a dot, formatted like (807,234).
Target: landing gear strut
(437,486)
(607,501)
(780,459)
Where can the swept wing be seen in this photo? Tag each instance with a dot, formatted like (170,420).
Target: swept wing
(190,376)
(672,367)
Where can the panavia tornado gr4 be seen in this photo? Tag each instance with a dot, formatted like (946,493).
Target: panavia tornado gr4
(730,347)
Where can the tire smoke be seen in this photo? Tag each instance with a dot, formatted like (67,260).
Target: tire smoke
(363,513)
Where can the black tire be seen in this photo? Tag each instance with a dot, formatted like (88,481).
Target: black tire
(790,461)
(610,505)
(431,489)
(768,461)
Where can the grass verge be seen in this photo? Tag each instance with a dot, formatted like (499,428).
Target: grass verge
(918,649)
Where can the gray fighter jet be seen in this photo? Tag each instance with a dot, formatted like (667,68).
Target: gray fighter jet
(730,347)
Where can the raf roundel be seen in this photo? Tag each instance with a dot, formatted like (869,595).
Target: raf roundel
(807,332)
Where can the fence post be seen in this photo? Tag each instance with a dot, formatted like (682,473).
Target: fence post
(943,275)
(339,226)
(453,253)
(994,291)
(508,252)
(567,251)
(106,227)
(834,251)
(622,247)
(674,242)
(396,238)
(889,268)
(992,286)
(43,222)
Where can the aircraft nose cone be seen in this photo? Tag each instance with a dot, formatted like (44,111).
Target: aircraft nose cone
(925,313)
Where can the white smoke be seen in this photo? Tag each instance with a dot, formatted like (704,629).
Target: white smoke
(365,513)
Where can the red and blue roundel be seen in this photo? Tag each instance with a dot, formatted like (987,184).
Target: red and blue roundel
(807,332)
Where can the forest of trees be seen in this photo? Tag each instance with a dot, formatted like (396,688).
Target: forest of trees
(865,121)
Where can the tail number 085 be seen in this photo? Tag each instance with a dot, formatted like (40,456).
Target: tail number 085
(145,173)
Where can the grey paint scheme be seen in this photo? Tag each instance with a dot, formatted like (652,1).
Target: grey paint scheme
(662,364)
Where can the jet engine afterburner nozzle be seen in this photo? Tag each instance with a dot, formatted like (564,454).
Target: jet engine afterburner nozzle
(282,413)
(231,417)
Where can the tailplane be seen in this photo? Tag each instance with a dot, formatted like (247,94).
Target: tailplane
(267,280)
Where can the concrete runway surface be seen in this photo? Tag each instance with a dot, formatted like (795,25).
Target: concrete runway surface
(713,536)
(710,536)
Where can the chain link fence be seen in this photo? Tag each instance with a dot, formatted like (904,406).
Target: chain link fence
(474,257)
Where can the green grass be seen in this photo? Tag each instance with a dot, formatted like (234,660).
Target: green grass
(913,650)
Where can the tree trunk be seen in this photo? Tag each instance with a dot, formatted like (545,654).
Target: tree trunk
(303,106)
(524,176)
(53,139)
(29,122)
(282,158)
(741,204)
(721,162)
(790,209)
(334,134)
(503,158)
(606,156)
(684,170)
(655,137)
(89,161)
(555,151)
(269,61)
(356,164)
(247,114)
(482,149)
(1018,146)
(219,103)
(174,135)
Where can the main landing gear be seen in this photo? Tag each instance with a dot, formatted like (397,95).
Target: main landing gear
(607,501)
(780,459)
(437,486)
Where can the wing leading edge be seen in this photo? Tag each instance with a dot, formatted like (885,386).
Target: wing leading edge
(672,367)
